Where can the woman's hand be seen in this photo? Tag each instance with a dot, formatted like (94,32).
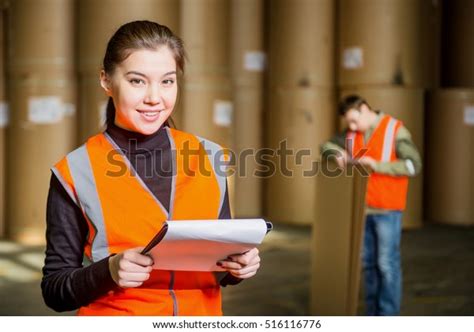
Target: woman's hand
(130,268)
(242,266)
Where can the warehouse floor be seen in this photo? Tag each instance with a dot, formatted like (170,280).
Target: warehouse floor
(438,263)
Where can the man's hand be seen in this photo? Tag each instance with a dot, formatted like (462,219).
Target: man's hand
(242,266)
(341,158)
(369,162)
(130,268)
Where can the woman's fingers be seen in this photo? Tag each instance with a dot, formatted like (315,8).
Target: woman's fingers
(250,269)
(242,265)
(133,277)
(134,256)
(246,258)
(130,268)
(130,284)
(244,276)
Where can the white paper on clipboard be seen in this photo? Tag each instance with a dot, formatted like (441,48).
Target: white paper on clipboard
(197,245)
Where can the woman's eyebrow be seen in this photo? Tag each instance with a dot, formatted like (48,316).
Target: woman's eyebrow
(135,73)
(169,73)
(143,75)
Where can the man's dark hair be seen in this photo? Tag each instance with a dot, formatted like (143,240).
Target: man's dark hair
(350,102)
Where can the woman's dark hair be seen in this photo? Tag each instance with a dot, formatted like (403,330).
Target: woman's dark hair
(350,102)
(139,35)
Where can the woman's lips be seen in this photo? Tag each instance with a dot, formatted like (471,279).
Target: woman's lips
(149,115)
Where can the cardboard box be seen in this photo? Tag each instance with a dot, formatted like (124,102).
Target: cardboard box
(336,242)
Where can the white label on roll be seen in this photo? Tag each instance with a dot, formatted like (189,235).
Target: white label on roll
(69,109)
(102,112)
(469,115)
(4,115)
(353,58)
(254,61)
(223,113)
(45,110)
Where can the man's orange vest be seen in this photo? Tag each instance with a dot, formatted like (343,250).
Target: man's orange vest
(383,191)
(122,213)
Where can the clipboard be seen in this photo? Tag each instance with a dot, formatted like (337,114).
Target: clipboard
(197,245)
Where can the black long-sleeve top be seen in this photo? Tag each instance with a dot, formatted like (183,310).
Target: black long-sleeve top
(67,284)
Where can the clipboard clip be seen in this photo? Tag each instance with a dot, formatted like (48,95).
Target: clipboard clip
(269,226)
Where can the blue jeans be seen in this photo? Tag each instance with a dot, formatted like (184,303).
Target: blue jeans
(381,264)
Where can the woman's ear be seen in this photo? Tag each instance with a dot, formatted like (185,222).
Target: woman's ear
(105,83)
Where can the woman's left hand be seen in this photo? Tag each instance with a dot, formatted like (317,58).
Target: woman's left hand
(242,266)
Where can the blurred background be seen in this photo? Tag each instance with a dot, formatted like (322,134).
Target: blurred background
(259,72)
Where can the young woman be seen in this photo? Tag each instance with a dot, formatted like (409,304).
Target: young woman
(110,196)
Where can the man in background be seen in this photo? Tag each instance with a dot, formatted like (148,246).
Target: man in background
(383,145)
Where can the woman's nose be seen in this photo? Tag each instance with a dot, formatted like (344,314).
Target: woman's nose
(153,95)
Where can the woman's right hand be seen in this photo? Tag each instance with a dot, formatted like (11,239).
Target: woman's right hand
(130,268)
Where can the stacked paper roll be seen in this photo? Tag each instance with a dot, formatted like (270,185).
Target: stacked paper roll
(3,124)
(301,106)
(207,96)
(458,44)
(41,90)
(450,157)
(248,64)
(388,42)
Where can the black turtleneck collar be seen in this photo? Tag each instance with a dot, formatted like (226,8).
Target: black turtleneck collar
(135,143)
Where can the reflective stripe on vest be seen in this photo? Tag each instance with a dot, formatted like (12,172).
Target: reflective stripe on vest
(81,172)
(216,156)
(389,138)
(122,213)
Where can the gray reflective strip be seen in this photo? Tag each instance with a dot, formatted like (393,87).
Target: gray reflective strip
(173,295)
(388,140)
(135,174)
(350,143)
(173,180)
(214,149)
(65,185)
(84,181)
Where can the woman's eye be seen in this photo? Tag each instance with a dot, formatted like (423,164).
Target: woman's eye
(137,81)
(168,82)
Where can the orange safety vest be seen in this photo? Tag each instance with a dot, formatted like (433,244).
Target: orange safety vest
(383,191)
(122,213)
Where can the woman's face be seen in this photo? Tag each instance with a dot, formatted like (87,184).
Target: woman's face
(144,89)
